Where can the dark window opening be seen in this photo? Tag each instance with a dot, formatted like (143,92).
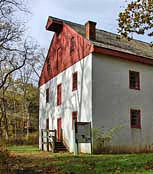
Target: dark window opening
(59,94)
(47,95)
(47,123)
(74,81)
(135,118)
(134,80)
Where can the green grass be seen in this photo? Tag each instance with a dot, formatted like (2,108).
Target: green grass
(23,149)
(66,163)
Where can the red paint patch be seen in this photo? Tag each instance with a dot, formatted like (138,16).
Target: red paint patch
(66,49)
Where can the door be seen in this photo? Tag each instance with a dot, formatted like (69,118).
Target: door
(59,127)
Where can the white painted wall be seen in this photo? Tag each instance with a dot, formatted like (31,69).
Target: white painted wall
(79,100)
(112,99)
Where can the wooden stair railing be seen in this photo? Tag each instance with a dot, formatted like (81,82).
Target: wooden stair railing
(51,140)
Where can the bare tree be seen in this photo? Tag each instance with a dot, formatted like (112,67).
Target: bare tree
(11,36)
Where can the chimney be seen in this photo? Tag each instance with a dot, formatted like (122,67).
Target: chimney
(90,28)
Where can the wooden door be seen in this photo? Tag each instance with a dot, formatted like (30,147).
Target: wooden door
(59,127)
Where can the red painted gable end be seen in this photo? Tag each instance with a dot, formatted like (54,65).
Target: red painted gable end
(67,48)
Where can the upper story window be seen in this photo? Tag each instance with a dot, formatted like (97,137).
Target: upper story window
(135,118)
(74,117)
(59,94)
(47,123)
(134,80)
(47,95)
(74,81)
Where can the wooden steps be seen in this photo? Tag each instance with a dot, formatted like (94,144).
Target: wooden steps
(59,146)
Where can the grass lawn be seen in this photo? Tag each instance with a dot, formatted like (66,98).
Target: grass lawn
(66,163)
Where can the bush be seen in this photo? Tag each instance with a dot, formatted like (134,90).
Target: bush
(4,156)
(101,140)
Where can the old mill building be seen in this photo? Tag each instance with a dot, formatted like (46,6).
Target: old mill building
(91,75)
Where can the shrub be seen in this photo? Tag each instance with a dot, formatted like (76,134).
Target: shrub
(101,140)
(4,156)
(102,144)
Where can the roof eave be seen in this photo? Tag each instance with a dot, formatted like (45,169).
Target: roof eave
(122,55)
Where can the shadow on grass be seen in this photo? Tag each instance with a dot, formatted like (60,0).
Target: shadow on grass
(24,160)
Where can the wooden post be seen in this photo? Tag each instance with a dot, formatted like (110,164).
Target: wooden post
(54,141)
(91,132)
(42,142)
(55,135)
(47,134)
(75,145)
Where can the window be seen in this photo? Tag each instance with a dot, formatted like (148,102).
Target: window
(59,94)
(134,80)
(135,118)
(47,95)
(74,81)
(48,66)
(72,46)
(74,117)
(59,58)
(47,123)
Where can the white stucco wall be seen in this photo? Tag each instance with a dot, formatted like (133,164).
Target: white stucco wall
(112,99)
(79,100)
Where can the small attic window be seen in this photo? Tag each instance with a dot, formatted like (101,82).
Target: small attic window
(48,66)
(72,46)
(59,57)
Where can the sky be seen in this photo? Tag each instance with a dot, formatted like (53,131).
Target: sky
(103,12)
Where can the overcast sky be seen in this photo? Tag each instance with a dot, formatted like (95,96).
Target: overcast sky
(104,12)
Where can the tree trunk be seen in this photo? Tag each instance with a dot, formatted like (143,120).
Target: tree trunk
(4,116)
(28,124)
(1,130)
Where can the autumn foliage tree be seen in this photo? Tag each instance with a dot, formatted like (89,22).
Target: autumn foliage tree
(137,18)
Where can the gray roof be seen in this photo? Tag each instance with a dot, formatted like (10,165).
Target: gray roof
(112,41)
